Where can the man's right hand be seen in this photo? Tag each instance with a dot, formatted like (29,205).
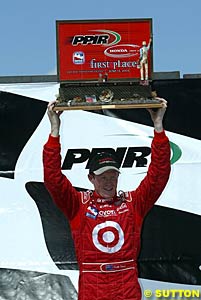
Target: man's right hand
(54,117)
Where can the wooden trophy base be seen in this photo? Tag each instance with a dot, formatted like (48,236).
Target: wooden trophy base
(106,95)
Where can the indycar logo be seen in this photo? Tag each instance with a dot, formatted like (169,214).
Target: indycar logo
(78,58)
(92,212)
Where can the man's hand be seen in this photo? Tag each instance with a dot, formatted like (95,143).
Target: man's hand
(158,114)
(54,117)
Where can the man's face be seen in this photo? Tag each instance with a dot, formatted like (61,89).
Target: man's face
(105,184)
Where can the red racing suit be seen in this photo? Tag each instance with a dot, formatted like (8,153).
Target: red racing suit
(107,234)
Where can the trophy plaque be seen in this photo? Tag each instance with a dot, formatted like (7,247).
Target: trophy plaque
(110,95)
(105,64)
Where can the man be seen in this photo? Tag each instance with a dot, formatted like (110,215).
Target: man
(105,225)
(144,60)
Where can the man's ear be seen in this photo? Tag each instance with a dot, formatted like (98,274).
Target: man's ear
(91,177)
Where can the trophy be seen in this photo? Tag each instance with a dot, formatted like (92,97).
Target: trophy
(104,64)
(113,95)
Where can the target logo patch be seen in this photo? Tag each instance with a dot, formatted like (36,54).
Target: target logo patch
(108,237)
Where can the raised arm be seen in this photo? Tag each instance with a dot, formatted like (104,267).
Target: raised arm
(149,44)
(157,176)
(63,193)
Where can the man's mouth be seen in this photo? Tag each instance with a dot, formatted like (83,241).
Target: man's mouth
(108,189)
